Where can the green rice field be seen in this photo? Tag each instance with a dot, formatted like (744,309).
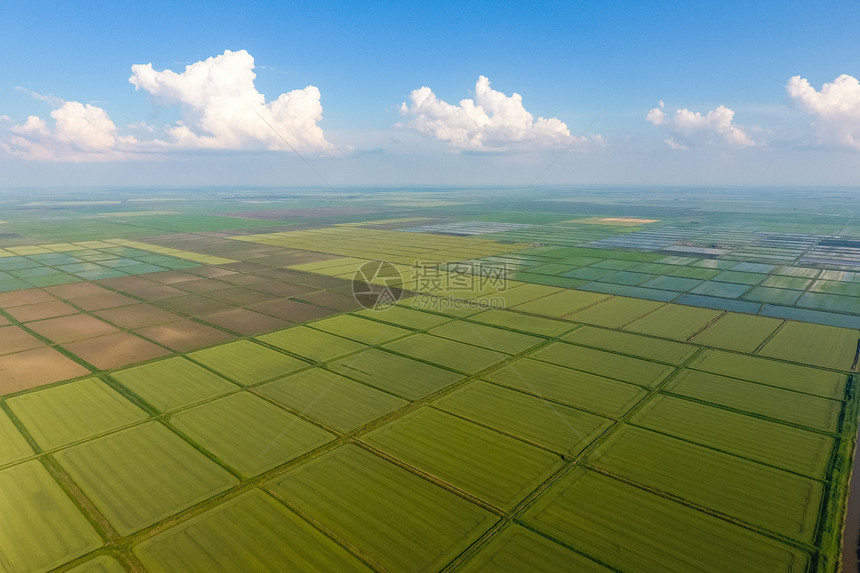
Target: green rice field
(569,381)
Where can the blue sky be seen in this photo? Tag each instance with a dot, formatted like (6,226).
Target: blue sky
(70,116)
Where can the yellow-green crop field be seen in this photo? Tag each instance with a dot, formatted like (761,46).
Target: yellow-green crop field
(200,387)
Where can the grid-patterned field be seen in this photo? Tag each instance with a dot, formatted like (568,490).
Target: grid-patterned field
(244,412)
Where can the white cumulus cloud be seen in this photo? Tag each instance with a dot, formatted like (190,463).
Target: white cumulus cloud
(80,132)
(835,109)
(221,108)
(692,129)
(490,122)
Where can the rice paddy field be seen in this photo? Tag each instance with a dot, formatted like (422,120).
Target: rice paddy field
(554,380)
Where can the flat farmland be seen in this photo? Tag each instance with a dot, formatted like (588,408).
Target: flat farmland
(486,336)
(396,374)
(779,374)
(182,476)
(522,322)
(63,414)
(13,446)
(495,468)
(173,383)
(246,362)
(738,332)
(780,445)
(519,549)
(814,344)
(248,433)
(572,387)
(364,331)
(246,532)
(334,400)
(608,364)
(673,321)
(397,519)
(310,343)
(584,510)
(776,403)
(639,346)
(587,380)
(455,355)
(767,497)
(556,427)
(41,539)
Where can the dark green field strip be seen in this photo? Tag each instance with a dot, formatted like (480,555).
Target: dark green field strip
(628,278)
(773,373)
(396,518)
(360,329)
(721,289)
(608,364)
(734,276)
(522,322)
(673,321)
(572,387)
(486,336)
(455,355)
(772,499)
(832,302)
(738,332)
(615,312)
(173,383)
(836,287)
(491,466)
(796,283)
(401,376)
(312,344)
(70,412)
(676,283)
(803,272)
(560,304)
(814,316)
(110,471)
(779,445)
(630,291)
(718,303)
(406,317)
(556,427)
(246,362)
(248,433)
(337,402)
(251,532)
(516,548)
(814,344)
(633,530)
(520,293)
(41,527)
(675,353)
(752,398)
(13,446)
(772,295)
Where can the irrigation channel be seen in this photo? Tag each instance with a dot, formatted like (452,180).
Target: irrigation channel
(851,535)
